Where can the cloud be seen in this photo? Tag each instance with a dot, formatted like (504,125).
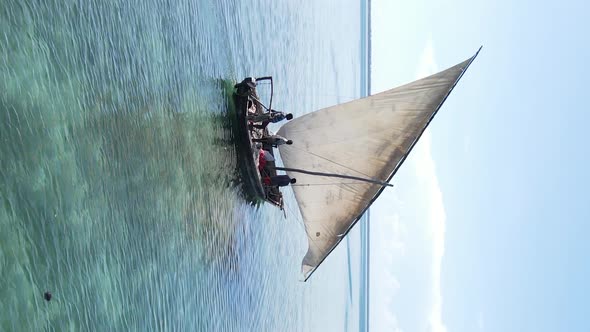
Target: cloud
(388,243)
(426,172)
(480,322)
(408,240)
(427,65)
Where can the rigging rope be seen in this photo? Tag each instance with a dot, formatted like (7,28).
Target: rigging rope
(385,184)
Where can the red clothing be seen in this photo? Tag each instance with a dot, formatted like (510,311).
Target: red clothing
(261,161)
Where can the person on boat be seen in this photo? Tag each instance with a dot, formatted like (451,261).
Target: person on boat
(272,116)
(263,157)
(261,163)
(266,118)
(274,140)
(279,180)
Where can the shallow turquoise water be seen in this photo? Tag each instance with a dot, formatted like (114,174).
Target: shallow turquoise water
(116,165)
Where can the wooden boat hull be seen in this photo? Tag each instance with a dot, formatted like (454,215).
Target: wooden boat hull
(245,99)
(249,175)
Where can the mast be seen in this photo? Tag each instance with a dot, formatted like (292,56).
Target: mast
(342,176)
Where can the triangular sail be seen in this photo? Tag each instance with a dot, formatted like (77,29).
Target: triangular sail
(367,138)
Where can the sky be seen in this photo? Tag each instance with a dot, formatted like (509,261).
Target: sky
(485,229)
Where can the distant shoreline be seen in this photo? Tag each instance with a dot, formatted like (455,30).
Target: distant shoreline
(365,49)
(365,89)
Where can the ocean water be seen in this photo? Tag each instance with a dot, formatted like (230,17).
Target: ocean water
(117,191)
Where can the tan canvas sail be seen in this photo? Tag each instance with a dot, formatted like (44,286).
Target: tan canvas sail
(367,138)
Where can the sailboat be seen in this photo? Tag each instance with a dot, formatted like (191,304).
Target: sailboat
(344,156)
